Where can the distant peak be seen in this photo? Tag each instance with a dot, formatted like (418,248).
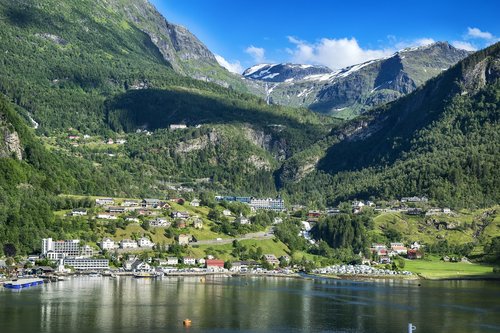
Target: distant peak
(427,46)
(284,72)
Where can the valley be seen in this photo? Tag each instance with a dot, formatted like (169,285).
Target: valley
(125,104)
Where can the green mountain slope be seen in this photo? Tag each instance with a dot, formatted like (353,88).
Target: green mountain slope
(121,68)
(61,60)
(441,141)
(31,177)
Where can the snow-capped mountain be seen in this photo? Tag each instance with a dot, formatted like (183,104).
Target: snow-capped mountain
(355,89)
(284,72)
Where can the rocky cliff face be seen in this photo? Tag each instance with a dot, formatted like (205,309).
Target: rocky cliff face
(10,144)
(180,48)
(356,89)
(176,43)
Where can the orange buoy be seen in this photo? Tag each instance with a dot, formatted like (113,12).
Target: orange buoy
(187,322)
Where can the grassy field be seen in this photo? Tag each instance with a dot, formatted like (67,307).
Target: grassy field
(421,228)
(433,268)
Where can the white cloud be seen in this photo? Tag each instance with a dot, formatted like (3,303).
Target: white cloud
(463,45)
(477,33)
(334,53)
(424,41)
(258,54)
(234,67)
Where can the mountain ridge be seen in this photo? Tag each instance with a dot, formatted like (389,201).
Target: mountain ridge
(355,89)
(428,142)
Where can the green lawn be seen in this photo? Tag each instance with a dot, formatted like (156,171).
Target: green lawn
(415,228)
(434,268)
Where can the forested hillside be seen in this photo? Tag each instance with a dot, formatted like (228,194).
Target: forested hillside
(31,180)
(111,74)
(441,141)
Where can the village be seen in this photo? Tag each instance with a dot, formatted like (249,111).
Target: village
(141,255)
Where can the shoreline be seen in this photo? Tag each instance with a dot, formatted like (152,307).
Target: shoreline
(305,276)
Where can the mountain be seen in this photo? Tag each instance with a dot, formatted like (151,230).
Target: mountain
(60,55)
(353,90)
(184,51)
(283,72)
(442,141)
(122,69)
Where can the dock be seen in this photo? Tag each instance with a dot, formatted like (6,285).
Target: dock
(23,283)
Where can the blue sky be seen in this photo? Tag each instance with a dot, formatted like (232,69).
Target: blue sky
(328,32)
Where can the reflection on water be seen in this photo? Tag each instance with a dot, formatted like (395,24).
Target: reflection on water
(86,304)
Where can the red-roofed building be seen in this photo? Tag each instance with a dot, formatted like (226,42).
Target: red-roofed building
(414,254)
(214,263)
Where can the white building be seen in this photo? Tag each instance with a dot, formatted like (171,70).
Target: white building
(47,245)
(68,247)
(172,261)
(145,242)
(269,204)
(86,251)
(108,244)
(195,203)
(242,220)
(140,265)
(198,224)
(415,246)
(414,199)
(189,261)
(87,263)
(78,212)
(150,203)
(130,203)
(159,222)
(399,248)
(128,244)
(179,215)
(104,201)
(178,126)
(51,255)
(107,216)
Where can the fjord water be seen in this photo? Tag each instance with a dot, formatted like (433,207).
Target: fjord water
(85,304)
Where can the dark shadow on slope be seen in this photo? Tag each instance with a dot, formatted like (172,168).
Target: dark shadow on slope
(393,127)
(154,108)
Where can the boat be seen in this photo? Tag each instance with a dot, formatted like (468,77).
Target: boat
(146,275)
(95,275)
(22,283)
(113,276)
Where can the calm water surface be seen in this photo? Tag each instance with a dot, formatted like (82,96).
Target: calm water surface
(86,304)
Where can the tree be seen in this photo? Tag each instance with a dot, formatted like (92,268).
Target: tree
(9,250)
(492,250)
(9,262)
(213,215)
(400,262)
